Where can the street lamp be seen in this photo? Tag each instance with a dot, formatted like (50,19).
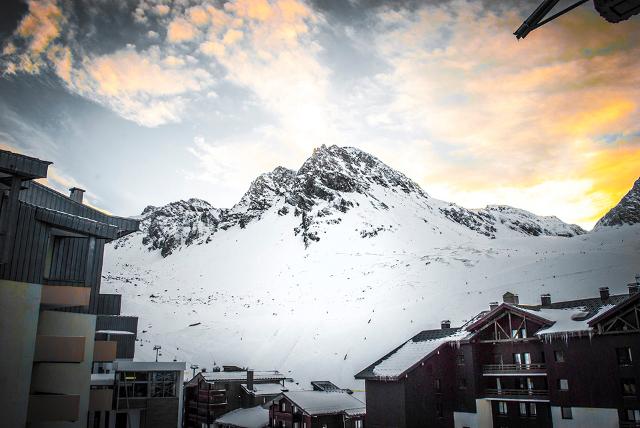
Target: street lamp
(194,367)
(157,348)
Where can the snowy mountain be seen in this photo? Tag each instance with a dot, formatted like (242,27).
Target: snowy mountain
(320,271)
(627,211)
(332,182)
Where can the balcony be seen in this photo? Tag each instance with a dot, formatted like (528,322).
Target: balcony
(59,349)
(541,395)
(65,296)
(514,370)
(104,350)
(204,404)
(629,424)
(48,408)
(100,400)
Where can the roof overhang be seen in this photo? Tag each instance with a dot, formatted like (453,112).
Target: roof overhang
(501,308)
(611,312)
(76,223)
(25,167)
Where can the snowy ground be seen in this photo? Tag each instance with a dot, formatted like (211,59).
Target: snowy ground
(326,312)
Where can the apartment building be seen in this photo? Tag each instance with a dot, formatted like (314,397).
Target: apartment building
(554,364)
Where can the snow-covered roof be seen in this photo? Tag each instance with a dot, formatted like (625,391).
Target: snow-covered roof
(271,388)
(242,376)
(326,402)
(254,417)
(102,379)
(113,332)
(415,350)
(567,320)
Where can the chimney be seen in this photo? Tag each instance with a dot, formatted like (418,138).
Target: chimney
(445,324)
(638,279)
(511,298)
(545,299)
(250,380)
(634,288)
(493,305)
(604,293)
(204,370)
(76,194)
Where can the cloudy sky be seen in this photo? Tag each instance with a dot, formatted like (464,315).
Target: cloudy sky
(145,102)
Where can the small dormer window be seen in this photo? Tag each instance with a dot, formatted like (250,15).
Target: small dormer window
(283,406)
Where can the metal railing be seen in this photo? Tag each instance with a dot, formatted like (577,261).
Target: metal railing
(513,393)
(503,368)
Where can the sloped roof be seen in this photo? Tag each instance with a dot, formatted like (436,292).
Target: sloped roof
(254,417)
(270,388)
(316,403)
(402,359)
(242,376)
(625,303)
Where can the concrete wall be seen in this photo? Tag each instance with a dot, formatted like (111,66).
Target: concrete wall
(584,417)
(19,306)
(482,419)
(66,378)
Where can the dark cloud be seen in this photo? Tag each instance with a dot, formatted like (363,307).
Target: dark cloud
(12,13)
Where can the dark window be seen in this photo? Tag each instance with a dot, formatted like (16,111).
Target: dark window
(462,383)
(628,387)
(533,411)
(436,385)
(502,407)
(559,356)
(460,359)
(439,411)
(624,356)
(633,415)
(566,412)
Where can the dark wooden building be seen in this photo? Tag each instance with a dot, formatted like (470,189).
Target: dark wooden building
(210,395)
(317,409)
(555,364)
(61,339)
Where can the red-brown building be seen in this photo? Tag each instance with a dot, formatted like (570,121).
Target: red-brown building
(317,409)
(210,395)
(563,364)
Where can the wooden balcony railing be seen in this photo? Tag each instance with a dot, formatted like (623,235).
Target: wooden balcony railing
(525,394)
(524,369)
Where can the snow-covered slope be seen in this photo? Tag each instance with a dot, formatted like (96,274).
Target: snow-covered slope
(318,272)
(627,211)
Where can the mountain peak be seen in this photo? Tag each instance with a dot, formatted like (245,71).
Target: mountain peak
(627,211)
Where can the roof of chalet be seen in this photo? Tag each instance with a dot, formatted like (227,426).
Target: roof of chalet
(315,403)
(23,166)
(254,417)
(408,355)
(241,376)
(53,206)
(270,388)
(559,319)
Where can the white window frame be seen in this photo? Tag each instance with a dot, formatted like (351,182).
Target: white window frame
(563,384)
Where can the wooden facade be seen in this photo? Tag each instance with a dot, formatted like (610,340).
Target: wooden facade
(503,373)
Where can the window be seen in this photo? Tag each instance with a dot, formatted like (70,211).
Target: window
(563,384)
(523,409)
(296,425)
(462,383)
(523,333)
(633,415)
(283,406)
(566,412)
(559,356)
(295,409)
(358,423)
(533,411)
(624,356)
(460,359)
(304,425)
(628,387)
(439,410)
(502,407)
(436,385)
